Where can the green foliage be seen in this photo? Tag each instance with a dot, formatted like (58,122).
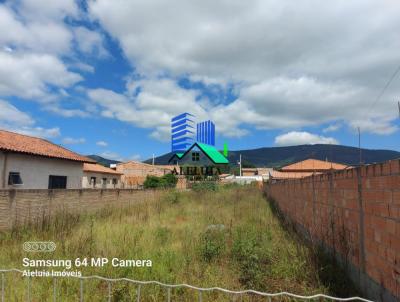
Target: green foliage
(247,164)
(172,197)
(204,186)
(166,181)
(247,251)
(212,244)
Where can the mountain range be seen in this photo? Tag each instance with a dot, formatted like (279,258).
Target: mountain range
(280,156)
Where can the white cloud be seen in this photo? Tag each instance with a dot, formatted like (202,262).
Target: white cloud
(135,157)
(38,131)
(89,42)
(112,155)
(83,66)
(28,75)
(332,128)
(9,114)
(102,143)
(302,138)
(73,141)
(55,108)
(296,64)
(15,120)
(35,44)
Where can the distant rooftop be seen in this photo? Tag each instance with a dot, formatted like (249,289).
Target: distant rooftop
(99,169)
(310,165)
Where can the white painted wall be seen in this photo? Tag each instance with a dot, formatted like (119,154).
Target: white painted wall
(35,170)
(99,180)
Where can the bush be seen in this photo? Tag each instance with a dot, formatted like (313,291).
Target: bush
(166,181)
(212,244)
(204,186)
(251,259)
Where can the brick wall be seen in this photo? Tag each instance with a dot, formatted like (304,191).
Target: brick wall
(22,206)
(355,213)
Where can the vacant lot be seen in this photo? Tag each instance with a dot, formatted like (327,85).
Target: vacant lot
(227,238)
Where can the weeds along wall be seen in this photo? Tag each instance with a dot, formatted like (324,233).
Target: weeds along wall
(32,206)
(355,213)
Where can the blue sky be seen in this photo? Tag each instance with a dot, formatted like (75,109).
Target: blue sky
(105,77)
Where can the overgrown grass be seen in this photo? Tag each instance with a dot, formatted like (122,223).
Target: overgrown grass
(227,237)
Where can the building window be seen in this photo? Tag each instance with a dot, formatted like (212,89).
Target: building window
(14,178)
(104,180)
(115,181)
(195,156)
(57,182)
(93,181)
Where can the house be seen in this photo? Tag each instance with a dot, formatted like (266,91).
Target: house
(134,173)
(28,162)
(99,177)
(305,168)
(200,159)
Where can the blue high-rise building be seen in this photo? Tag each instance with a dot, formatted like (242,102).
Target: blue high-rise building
(182,135)
(206,133)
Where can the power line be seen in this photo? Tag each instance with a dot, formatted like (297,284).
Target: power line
(384,89)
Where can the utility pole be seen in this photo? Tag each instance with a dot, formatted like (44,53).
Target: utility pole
(240,164)
(359,144)
(398,104)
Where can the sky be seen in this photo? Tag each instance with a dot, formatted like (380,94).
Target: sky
(106,77)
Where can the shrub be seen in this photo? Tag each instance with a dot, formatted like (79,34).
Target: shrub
(212,244)
(251,259)
(204,186)
(166,181)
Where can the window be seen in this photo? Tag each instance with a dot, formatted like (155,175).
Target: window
(57,182)
(14,178)
(115,181)
(93,181)
(195,156)
(104,183)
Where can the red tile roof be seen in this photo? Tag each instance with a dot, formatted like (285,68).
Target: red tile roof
(99,169)
(310,165)
(14,142)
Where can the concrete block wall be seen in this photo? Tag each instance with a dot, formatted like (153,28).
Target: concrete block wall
(356,214)
(23,206)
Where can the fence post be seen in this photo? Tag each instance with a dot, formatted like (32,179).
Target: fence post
(54,290)
(138,293)
(200,296)
(29,290)
(81,291)
(109,291)
(169,294)
(2,287)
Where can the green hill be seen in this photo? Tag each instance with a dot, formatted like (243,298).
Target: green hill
(279,156)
